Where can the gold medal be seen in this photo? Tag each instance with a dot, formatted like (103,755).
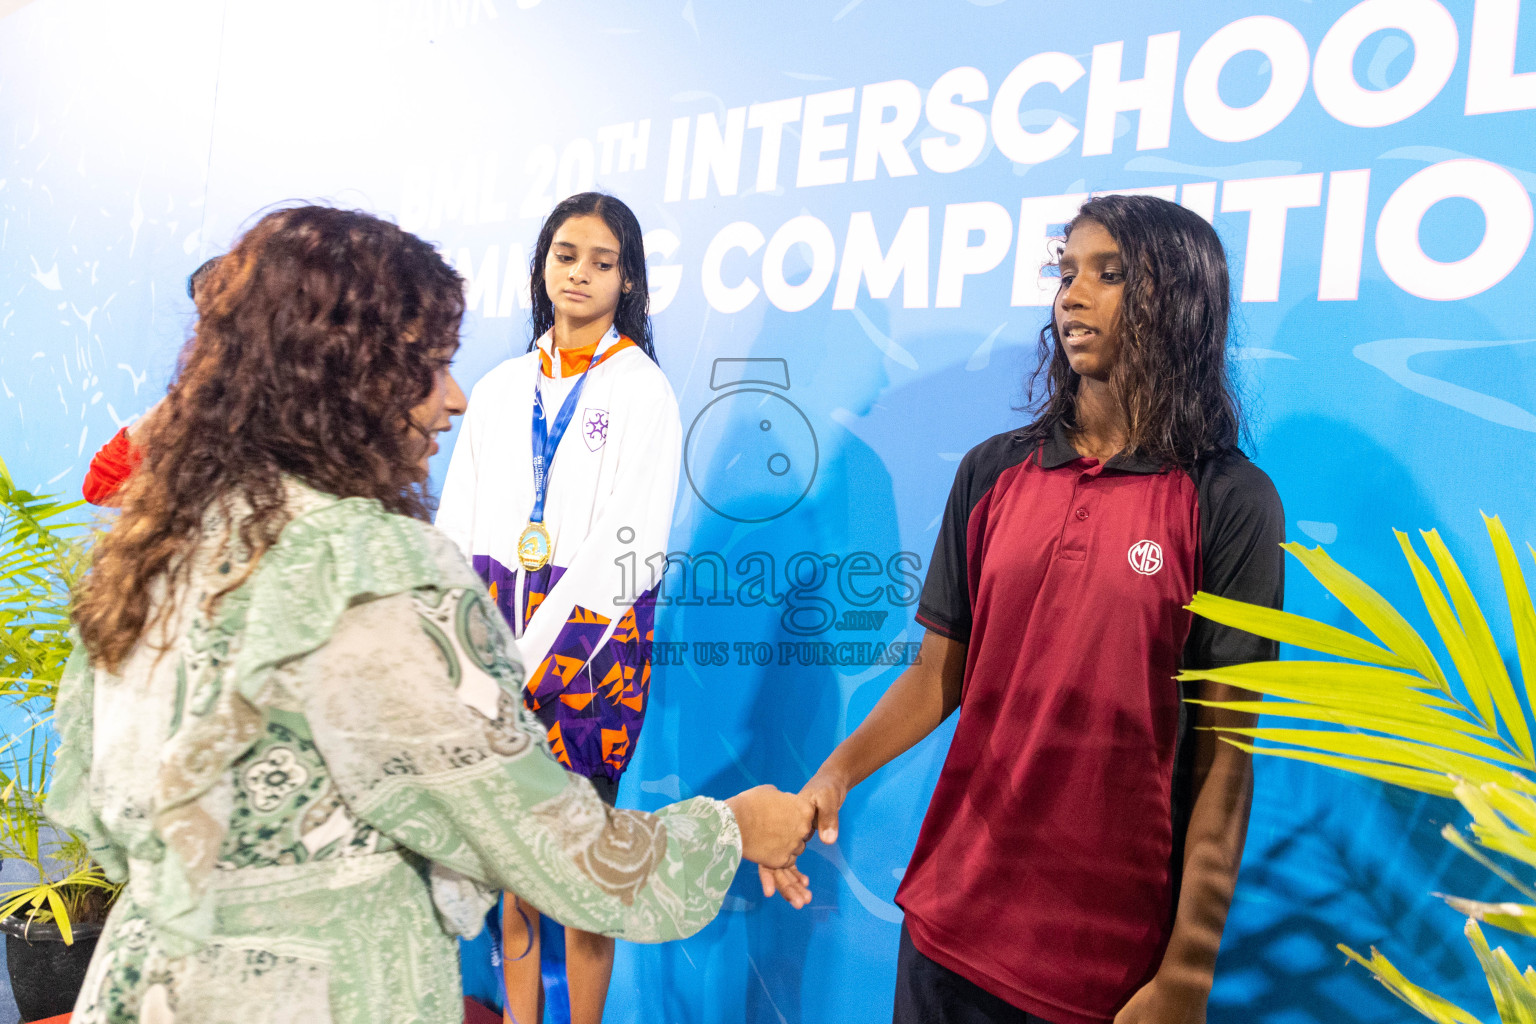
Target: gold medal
(533,547)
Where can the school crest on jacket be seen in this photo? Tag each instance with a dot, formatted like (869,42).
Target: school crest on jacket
(594,428)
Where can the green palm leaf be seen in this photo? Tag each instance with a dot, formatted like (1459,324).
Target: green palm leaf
(1373,610)
(1489,826)
(1422,726)
(60,916)
(1325,680)
(1512,992)
(1434,1007)
(1432,783)
(40,558)
(1512,917)
(1451,734)
(1521,612)
(1451,635)
(1487,662)
(1461,843)
(1421,756)
(1287,628)
(1389,713)
(1518,808)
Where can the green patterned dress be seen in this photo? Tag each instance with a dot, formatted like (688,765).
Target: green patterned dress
(313,788)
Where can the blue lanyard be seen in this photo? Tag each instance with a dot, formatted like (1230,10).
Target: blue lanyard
(546,438)
(493,925)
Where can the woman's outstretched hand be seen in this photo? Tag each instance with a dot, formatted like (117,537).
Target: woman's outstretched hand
(774,825)
(787,882)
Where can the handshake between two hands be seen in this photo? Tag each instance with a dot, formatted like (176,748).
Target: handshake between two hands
(775,827)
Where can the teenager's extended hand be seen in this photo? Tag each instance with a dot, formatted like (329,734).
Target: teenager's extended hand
(826,793)
(774,825)
(1160,1002)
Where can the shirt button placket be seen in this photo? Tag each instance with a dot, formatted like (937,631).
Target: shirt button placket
(1074,540)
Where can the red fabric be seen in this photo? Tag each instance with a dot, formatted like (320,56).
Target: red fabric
(478,1013)
(111,468)
(62,1018)
(1043,871)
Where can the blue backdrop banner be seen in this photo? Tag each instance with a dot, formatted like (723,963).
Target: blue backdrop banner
(848,208)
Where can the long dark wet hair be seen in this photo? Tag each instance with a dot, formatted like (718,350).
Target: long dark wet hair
(1172,376)
(633,317)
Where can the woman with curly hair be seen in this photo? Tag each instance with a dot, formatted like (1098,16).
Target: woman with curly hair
(1081,847)
(293,723)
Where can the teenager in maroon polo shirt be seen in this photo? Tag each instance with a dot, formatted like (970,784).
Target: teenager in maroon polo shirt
(1081,848)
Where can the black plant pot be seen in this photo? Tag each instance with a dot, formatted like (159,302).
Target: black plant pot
(46,975)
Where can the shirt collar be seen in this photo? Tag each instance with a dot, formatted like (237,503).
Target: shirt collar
(549,361)
(1057,450)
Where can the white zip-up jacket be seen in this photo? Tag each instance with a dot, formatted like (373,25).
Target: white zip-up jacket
(583,622)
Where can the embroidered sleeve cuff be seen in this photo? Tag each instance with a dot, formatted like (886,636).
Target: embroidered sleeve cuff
(728,835)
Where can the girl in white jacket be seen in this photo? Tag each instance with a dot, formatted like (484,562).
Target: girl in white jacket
(561,487)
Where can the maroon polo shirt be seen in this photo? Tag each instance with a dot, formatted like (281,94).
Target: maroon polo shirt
(1046,868)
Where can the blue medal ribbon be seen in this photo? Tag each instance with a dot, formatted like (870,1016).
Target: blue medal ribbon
(546,437)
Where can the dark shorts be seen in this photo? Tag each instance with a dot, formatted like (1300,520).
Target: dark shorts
(606,788)
(930,993)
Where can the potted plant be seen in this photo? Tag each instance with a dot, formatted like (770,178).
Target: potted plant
(1388,709)
(50,917)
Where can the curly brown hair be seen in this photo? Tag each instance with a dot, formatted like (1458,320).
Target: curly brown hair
(317,335)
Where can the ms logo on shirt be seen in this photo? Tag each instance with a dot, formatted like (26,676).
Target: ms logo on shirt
(1146,557)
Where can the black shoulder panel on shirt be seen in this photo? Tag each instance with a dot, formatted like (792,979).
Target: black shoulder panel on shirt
(1242,525)
(945,606)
